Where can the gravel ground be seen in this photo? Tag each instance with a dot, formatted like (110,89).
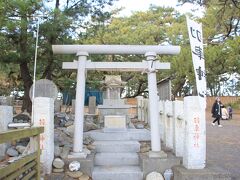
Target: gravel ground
(223,144)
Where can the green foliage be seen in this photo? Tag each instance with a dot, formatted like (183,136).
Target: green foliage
(87,22)
(156,26)
(60,25)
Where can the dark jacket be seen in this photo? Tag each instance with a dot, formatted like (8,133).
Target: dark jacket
(216,109)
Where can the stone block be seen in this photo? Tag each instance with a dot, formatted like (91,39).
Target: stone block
(157,164)
(114,123)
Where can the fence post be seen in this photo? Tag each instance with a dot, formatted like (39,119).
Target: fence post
(44,116)
(169,124)
(164,122)
(179,127)
(161,120)
(6,116)
(139,107)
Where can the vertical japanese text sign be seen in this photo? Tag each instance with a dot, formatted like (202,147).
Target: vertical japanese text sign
(196,42)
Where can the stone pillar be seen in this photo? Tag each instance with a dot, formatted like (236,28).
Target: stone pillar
(43,115)
(139,107)
(169,124)
(164,122)
(79,106)
(179,127)
(161,120)
(153,103)
(73,106)
(146,113)
(6,117)
(3,101)
(10,100)
(92,105)
(107,93)
(195,134)
(57,105)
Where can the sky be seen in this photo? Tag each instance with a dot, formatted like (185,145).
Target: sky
(143,5)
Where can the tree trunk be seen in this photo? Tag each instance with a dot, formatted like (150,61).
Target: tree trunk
(27,83)
(48,70)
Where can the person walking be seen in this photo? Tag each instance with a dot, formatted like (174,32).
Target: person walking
(216,112)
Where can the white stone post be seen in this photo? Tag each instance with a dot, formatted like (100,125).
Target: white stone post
(6,117)
(73,106)
(179,127)
(139,107)
(44,116)
(169,124)
(146,110)
(79,106)
(153,104)
(195,134)
(108,93)
(57,105)
(164,115)
(161,120)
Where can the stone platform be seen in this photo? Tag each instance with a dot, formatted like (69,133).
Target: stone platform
(129,134)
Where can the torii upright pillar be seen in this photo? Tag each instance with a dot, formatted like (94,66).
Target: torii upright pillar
(79,106)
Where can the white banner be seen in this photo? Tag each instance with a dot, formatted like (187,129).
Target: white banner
(196,42)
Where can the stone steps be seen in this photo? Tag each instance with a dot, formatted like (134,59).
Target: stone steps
(116,155)
(116,159)
(117,146)
(128,135)
(117,173)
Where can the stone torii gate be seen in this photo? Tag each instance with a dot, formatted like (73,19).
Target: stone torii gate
(150,66)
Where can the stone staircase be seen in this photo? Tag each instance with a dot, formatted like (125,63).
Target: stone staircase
(117,156)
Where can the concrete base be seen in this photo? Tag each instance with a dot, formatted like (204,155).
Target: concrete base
(208,173)
(157,164)
(160,154)
(86,164)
